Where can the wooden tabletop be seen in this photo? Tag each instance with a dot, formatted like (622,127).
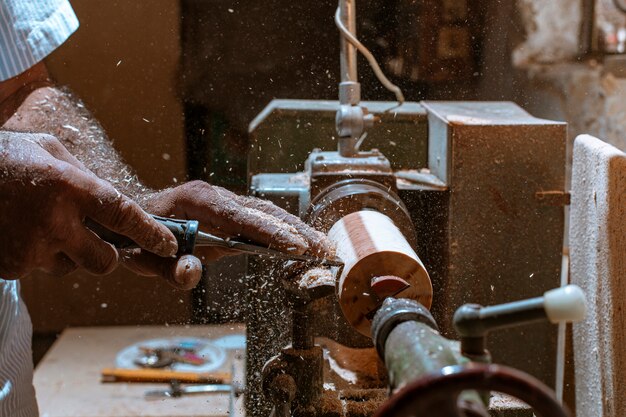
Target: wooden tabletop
(68,383)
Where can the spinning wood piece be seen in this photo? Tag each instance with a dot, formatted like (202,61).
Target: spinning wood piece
(372,246)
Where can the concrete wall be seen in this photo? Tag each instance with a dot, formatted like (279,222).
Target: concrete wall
(123,63)
(598,239)
(589,90)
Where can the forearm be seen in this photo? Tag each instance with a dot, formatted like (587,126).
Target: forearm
(57,112)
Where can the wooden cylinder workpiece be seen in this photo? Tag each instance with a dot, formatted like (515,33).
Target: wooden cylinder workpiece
(372,246)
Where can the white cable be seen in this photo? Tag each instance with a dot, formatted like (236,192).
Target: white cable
(370,58)
(359,142)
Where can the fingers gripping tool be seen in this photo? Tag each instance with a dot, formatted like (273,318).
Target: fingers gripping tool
(188,236)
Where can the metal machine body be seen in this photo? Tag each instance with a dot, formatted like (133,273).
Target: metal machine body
(477,191)
(477,188)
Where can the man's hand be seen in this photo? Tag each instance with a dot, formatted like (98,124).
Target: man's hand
(224,214)
(45,196)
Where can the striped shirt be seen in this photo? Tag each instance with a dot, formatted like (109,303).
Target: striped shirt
(17,394)
(29,31)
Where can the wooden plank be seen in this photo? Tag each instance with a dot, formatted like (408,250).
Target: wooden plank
(68,384)
(598,265)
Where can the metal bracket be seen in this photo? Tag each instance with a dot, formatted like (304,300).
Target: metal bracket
(553,198)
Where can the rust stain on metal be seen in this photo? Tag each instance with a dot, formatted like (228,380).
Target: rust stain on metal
(501,203)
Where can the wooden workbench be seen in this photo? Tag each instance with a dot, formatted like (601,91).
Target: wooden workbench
(68,384)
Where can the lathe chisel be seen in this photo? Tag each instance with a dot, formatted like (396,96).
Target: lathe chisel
(189,236)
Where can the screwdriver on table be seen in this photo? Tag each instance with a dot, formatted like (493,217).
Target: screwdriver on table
(189,236)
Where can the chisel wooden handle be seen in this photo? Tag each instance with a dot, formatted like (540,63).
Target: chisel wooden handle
(160,375)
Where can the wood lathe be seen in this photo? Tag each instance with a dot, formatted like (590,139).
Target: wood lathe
(453,204)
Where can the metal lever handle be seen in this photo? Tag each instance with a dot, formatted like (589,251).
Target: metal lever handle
(472,321)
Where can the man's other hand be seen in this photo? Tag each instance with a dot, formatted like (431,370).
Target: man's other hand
(225,214)
(45,196)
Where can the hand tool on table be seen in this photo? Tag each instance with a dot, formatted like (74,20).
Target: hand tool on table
(176,390)
(162,357)
(153,360)
(161,375)
(189,236)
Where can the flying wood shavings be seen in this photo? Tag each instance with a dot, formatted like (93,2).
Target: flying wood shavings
(70,127)
(316,277)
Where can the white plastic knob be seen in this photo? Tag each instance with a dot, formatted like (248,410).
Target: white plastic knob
(566,304)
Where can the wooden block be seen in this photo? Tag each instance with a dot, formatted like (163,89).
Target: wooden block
(372,246)
(598,265)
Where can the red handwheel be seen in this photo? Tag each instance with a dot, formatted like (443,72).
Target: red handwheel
(436,395)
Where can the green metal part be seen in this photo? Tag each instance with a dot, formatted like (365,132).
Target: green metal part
(414,349)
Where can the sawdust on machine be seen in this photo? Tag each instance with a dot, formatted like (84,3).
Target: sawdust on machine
(315,277)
